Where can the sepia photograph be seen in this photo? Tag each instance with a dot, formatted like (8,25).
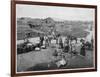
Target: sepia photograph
(54,38)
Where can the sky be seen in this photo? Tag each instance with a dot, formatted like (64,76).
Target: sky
(64,13)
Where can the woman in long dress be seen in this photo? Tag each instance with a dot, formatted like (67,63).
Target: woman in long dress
(83,52)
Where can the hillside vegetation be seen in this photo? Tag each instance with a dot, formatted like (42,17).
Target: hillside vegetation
(46,26)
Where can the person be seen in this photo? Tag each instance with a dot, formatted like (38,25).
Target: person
(56,39)
(57,51)
(66,45)
(60,42)
(78,46)
(73,47)
(82,51)
(41,40)
(46,40)
(49,39)
(60,59)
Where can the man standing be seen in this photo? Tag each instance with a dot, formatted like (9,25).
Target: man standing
(60,42)
(66,45)
(41,40)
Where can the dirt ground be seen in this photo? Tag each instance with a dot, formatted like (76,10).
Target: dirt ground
(39,60)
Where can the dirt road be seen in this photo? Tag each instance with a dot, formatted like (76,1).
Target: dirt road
(43,57)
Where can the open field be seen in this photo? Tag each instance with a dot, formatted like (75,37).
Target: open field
(39,60)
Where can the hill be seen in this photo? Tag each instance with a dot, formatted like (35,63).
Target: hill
(37,26)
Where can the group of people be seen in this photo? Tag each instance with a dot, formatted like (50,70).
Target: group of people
(69,45)
(44,41)
(72,45)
